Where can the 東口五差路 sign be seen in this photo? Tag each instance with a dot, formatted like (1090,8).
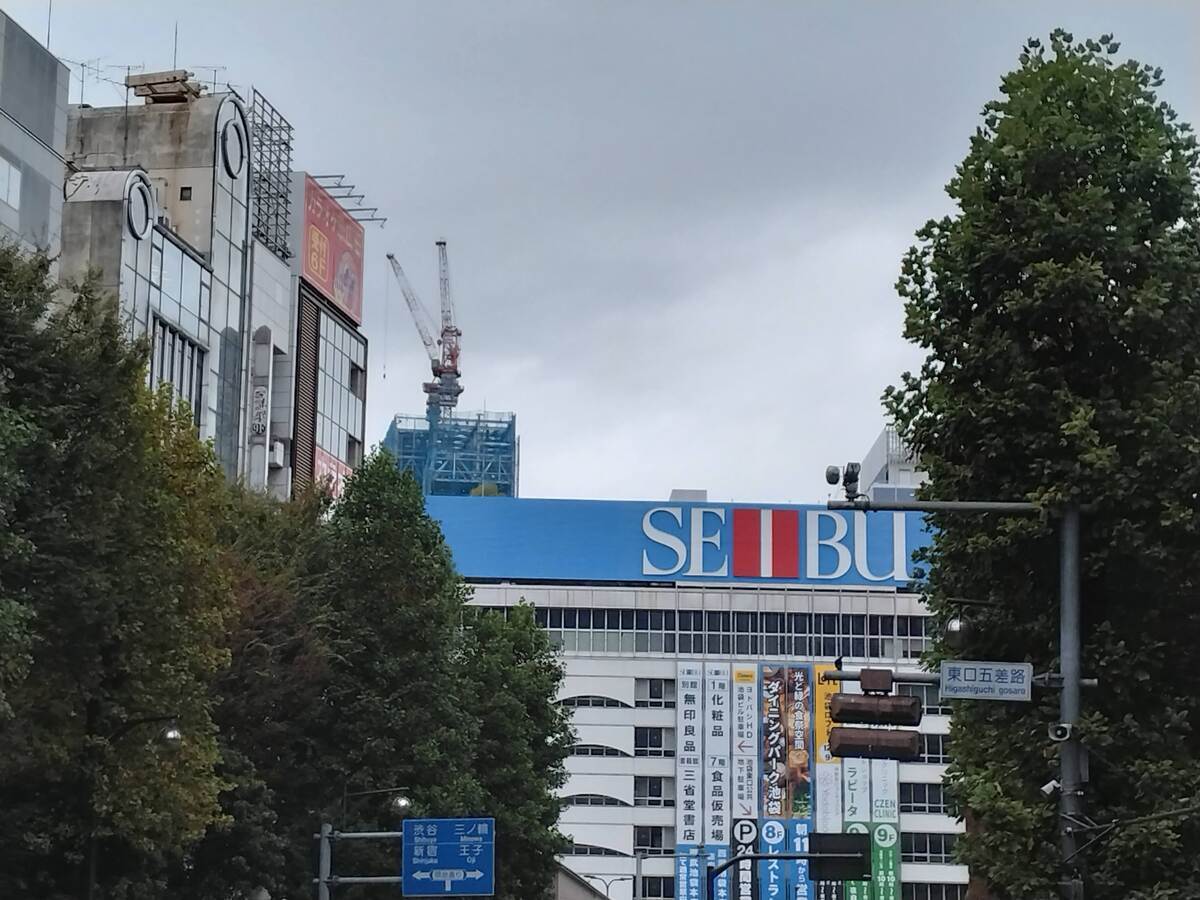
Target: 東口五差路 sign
(973,680)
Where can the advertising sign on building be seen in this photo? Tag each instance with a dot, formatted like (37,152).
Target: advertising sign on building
(827,773)
(689,777)
(856,813)
(617,540)
(754,774)
(717,774)
(885,829)
(332,250)
(331,471)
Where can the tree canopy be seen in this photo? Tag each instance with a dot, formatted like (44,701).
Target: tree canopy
(1059,306)
(309,652)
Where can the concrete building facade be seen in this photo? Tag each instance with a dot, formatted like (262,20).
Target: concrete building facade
(34,87)
(666,612)
(159,205)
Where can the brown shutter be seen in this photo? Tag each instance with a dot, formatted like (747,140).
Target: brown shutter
(304,446)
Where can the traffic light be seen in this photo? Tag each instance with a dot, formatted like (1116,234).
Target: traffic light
(875,706)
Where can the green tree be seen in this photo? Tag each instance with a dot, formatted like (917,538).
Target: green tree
(115,576)
(279,666)
(1060,308)
(524,738)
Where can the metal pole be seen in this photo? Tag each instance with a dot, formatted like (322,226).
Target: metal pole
(325,864)
(637,875)
(1071,796)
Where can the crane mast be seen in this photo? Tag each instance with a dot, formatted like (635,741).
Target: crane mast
(443,391)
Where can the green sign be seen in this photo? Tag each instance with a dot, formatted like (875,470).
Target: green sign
(885,829)
(856,814)
(885,861)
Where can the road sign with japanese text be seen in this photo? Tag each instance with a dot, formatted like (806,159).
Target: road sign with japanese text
(449,857)
(974,680)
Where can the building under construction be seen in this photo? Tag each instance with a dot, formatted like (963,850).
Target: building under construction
(457,455)
(474,453)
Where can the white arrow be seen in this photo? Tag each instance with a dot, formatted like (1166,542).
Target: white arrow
(474,873)
(422,876)
(448,875)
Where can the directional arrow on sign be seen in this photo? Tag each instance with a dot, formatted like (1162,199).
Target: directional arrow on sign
(422,876)
(744,746)
(474,873)
(744,810)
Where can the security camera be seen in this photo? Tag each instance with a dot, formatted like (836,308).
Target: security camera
(1060,731)
(833,474)
(1051,787)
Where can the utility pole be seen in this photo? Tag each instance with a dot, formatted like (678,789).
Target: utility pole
(1070,799)
(325,862)
(1071,815)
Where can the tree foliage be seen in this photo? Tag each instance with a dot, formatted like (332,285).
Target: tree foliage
(109,563)
(316,654)
(524,737)
(1060,309)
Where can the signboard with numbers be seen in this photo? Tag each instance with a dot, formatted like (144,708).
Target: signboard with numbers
(449,858)
(974,680)
(717,794)
(754,774)
(885,829)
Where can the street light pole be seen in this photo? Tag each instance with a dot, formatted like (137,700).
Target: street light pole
(1070,802)
(170,735)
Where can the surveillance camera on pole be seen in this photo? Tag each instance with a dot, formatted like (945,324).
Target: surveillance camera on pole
(848,475)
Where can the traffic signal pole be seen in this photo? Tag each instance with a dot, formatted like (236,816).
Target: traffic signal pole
(1070,800)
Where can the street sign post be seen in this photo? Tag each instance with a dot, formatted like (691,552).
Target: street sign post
(449,857)
(974,680)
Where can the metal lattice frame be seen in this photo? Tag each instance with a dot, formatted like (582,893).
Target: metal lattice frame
(271,174)
(468,451)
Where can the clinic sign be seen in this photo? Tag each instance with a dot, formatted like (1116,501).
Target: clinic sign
(624,541)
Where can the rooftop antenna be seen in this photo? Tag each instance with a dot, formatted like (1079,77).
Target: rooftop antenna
(175,55)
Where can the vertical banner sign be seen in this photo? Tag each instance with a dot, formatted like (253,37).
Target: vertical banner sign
(689,768)
(799,719)
(856,813)
(745,780)
(885,829)
(827,773)
(717,775)
(774,795)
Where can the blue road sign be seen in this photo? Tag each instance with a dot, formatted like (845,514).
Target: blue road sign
(449,857)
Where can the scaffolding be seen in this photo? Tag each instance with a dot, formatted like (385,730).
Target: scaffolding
(271,174)
(469,454)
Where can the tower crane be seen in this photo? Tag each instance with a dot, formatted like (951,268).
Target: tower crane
(443,391)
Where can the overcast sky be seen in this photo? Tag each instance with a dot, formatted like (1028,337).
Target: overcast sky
(674,228)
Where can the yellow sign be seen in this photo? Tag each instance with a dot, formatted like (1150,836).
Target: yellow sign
(744,676)
(823,692)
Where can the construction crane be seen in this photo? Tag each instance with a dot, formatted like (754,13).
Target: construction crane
(443,391)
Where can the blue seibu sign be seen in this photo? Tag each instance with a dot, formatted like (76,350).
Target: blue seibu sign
(516,539)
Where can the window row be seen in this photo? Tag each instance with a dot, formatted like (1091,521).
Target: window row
(10,183)
(179,362)
(591,850)
(922,798)
(655,887)
(856,636)
(587,700)
(595,750)
(649,790)
(920,891)
(592,800)
(924,847)
(935,748)
(653,840)
(654,692)
(653,741)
